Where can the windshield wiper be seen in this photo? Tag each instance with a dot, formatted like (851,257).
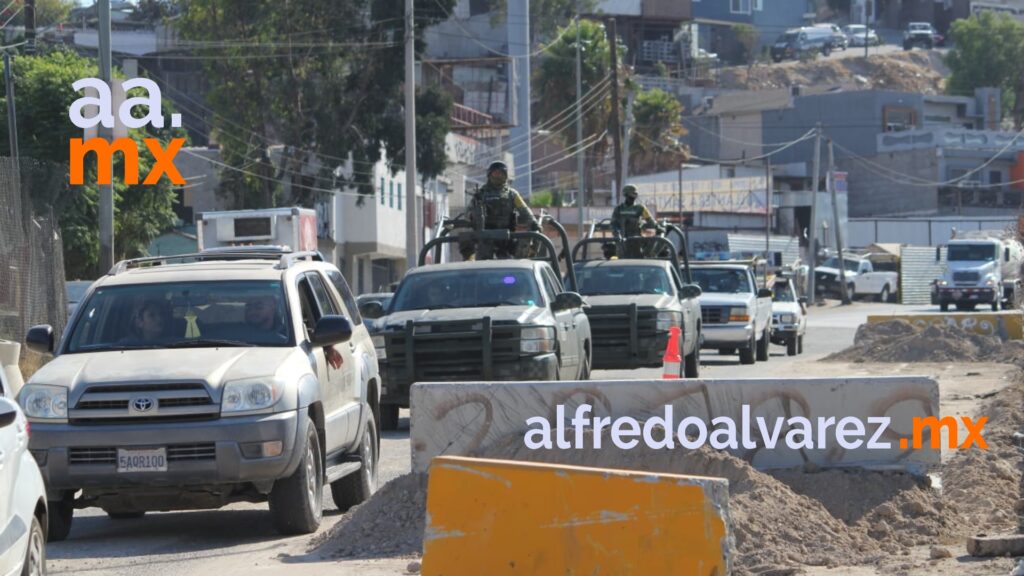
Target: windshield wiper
(502,303)
(206,343)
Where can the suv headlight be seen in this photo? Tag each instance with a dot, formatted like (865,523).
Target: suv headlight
(43,402)
(990,282)
(787,318)
(667,320)
(380,345)
(250,395)
(537,340)
(739,314)
(943,282)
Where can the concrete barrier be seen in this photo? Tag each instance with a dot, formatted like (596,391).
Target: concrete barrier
(489,420)
(500,517)
(1007,324)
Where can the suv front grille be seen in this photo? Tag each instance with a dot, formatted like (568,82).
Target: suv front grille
(175,453)
(965,277)
(714,314)
(452,350)
(110,403)
(610,325)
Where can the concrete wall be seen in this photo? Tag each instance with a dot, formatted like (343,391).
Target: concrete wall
(489,419)
(873,192)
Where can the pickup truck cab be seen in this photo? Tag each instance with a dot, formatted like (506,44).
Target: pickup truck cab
(479,321)
(735,313)
(862,280)
(195,381)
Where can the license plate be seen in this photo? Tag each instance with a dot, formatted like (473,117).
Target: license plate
(957,294)
(153,460)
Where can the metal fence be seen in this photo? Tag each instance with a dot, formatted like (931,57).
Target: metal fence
(31,252)
(918,269)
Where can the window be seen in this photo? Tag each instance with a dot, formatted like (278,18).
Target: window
(323,298)
(399,195)
(896,119)
(550,285)
(346,295)
(381,191)
(759,5)
(995,177)
(739,6)
(391,194)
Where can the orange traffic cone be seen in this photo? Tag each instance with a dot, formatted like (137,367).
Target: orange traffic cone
(672,360)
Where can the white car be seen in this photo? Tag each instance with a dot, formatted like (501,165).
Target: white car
(22,495)
(855,35)
(789,317)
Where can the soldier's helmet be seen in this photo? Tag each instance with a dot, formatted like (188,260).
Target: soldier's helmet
(498,166)
(630,191)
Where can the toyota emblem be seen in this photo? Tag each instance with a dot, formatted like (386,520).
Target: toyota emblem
(143,404)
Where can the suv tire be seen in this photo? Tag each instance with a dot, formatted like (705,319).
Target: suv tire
(35,555)
(791,346)
(389,417)
(691,367)
(59,515)
(762,347)
(356,488)
(296,502)
(747,354)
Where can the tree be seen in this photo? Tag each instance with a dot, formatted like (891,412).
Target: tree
(746,37)
(545,15)
(654,144)
(44,95)
(988,50)
(48,12)
(322,78)
(555,86)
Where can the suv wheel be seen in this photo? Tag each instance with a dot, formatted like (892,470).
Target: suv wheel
(692,362)
(884,296)
(59,515)
(389,417)
(747,354)
(35,556)
(791,346)
(358,487)
(296,502)
(585,366)
(762,346)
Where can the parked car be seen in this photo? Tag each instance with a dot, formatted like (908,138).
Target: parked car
(862,279)
(22,495)
(187,383)
(859,35)
(922,35)
(735,313)
(839,40)
(789,316)
(799,42)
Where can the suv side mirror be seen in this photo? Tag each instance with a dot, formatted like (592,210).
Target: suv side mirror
(7,414)
(372,309)
(764,293)
(567,301)
(689,291)
(802,300)
(40,339)
(331,329)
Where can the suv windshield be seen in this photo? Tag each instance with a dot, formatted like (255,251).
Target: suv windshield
(788,37)
(623,280)
(467,288)
(971,253)
(183,315)
(722,281)
(849,264)
(783,292)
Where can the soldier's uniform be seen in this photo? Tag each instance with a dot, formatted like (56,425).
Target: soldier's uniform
(627,219)
(500,205)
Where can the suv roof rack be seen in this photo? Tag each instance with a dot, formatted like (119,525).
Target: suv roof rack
(284,259)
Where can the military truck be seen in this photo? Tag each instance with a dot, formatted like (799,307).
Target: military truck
(634,303)
(483,320)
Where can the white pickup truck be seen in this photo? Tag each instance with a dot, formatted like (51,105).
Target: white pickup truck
(862,280)
(735,313)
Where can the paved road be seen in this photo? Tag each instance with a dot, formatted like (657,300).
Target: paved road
(240,540)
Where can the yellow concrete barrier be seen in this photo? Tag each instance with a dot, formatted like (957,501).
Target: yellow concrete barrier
(1007,324)
(502,517)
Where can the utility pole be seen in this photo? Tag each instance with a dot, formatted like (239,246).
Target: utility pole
(767,215)
(866,30)
(613,40)
(812,228)
(680,190)
(581,180)
(30,27)
(106,190)
(625,136)
(12,117)
(835,224)
(411,233)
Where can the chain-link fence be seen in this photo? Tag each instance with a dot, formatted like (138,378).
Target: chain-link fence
(31,254)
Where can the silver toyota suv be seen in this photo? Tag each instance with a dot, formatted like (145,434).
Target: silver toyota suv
(196,381)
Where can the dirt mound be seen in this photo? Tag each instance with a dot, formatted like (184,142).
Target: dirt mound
(901,341)
(915,71)
(388,524)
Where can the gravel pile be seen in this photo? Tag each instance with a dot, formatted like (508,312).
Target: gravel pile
(901,341)
(390,524)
